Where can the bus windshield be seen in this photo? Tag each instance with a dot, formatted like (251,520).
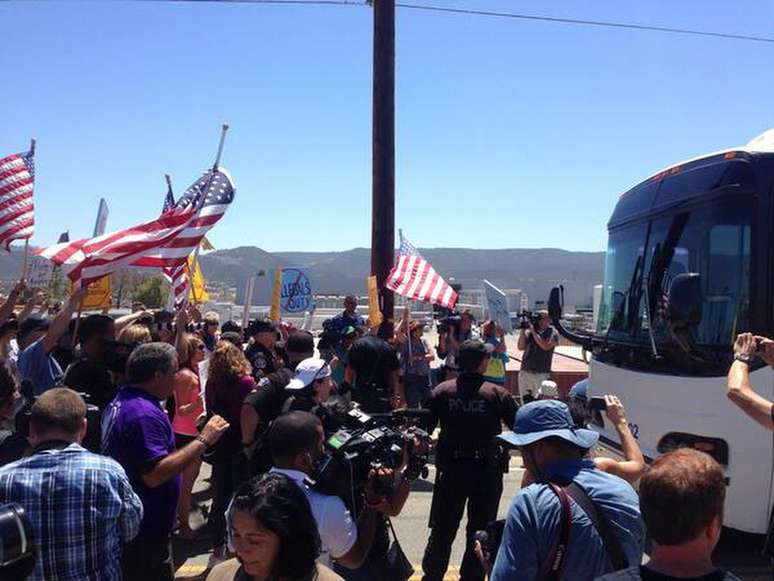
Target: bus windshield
(712,240)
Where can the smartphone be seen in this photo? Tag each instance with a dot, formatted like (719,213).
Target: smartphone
(597,404)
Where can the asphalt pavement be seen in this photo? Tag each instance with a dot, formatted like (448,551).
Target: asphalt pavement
(737,552)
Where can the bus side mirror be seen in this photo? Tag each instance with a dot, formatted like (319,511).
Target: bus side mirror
(555,300)
(685,300)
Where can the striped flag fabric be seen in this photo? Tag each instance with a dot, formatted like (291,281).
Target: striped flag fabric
(17,179)
(177,275)
(165,241)
(415,278)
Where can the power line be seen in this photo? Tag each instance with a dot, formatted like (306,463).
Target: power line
(602,23)
(494,14)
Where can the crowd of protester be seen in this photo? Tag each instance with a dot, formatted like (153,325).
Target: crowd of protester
(105,423)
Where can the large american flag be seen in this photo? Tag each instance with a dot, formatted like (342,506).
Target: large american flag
(164,242)
(415,278)
(17,178)
(176,275)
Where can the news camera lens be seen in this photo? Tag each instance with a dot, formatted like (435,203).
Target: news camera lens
(16,540)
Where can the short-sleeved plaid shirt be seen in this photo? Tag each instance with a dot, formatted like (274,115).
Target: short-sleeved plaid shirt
(81,507)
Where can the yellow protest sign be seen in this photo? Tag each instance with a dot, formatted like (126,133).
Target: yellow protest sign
(274,313)
(375,316)
(100,295)
(197,292)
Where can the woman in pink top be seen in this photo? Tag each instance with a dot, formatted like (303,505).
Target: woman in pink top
(188,407)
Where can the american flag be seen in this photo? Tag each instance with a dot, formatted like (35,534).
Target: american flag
(177,275)
(415,278)
(17,178)
(166,241)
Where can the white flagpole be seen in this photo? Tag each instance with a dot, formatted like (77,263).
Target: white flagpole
(223,130)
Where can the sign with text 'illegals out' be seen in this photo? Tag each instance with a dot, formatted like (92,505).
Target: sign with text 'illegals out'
(497,303)
(296,295)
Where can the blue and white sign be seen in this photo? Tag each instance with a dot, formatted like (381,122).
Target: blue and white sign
(296,295)
(497,303)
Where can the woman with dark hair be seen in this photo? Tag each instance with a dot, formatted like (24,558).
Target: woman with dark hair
(274,534)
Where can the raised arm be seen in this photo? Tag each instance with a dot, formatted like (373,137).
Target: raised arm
(59,325)
(740,390)
(633,466)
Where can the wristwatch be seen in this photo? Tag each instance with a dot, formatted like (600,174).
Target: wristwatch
(743,357)
(203,440)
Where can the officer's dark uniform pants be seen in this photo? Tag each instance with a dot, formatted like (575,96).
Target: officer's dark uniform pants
(481,485)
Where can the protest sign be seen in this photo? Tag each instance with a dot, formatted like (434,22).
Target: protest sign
(375,316)
(274,312)
(497,303)
(296,296)
(40,272)
(100,295)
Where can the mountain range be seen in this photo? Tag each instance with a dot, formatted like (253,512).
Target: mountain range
(534,271)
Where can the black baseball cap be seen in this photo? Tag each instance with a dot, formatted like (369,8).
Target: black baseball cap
(261,326)
(300,342)
(231,327)
(472,352)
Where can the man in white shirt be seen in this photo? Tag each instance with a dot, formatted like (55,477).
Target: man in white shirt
(296,441)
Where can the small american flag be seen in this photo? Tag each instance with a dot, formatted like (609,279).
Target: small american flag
(415,278)
(166,241)
(17,178)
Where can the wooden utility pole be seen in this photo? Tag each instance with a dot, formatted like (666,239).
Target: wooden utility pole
(383,184)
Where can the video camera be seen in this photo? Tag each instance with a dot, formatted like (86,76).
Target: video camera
(453,321)
(18,551)
(528,318)
(92,441)
(367,442)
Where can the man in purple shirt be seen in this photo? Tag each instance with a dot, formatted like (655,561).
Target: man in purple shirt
(138,434)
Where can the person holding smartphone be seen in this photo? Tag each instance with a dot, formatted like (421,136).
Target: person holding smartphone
(633,464)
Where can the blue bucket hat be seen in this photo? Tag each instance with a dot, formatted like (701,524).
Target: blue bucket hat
(543,419)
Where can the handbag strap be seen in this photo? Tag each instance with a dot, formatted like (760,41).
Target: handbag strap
(552,566)
(612,545)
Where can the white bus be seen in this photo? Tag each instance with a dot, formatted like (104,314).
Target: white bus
(689,265)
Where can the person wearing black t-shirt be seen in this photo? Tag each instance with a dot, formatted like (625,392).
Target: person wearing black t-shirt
(372,369)
(89,373)
(681,499)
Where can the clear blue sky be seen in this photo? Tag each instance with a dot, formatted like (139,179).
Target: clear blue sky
(509,133)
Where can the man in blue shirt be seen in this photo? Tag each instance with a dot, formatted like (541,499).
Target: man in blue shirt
(348,318)
(554,450)
(37,339)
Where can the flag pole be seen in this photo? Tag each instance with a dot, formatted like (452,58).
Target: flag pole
(223,130)
(74,341)
(33,143)
(168,179)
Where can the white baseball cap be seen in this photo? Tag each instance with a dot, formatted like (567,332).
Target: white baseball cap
(309,371)
(548,388)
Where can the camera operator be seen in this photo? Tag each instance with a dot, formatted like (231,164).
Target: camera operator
(89,373)
(470,464)
(373,371)
(537,341)
(450,334)
(296,441)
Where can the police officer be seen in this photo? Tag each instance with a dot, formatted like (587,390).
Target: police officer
(469,462)
(260,352)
